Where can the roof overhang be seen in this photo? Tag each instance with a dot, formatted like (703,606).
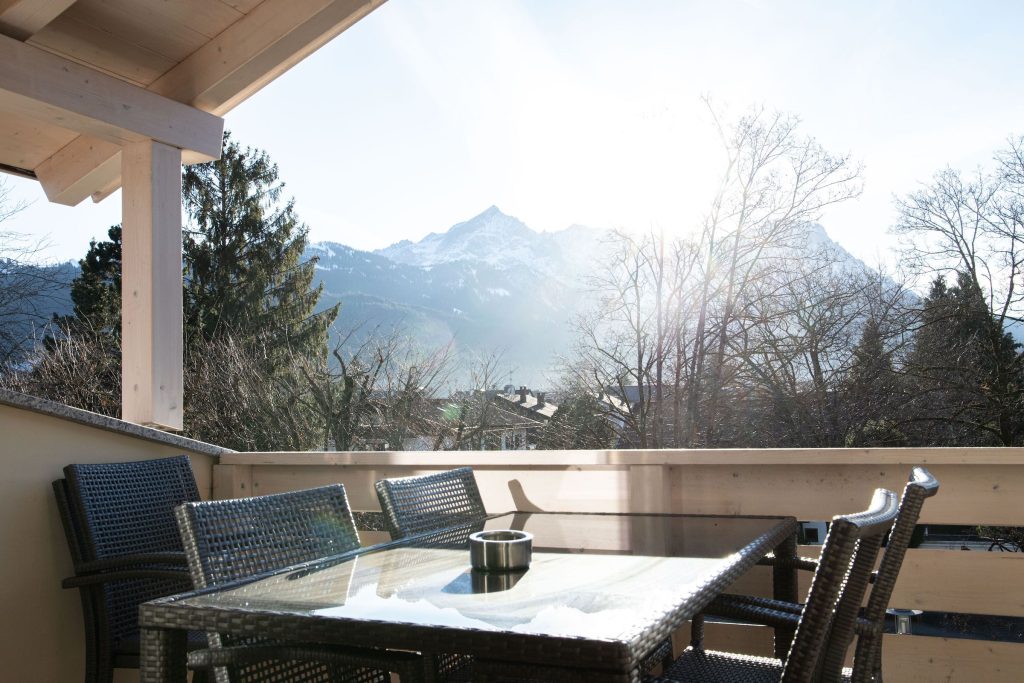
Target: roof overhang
(80,79)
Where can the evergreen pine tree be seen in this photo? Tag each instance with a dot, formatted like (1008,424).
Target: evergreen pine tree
(244,274)
(96,292)
(248,290)
(964,372)
(872,393)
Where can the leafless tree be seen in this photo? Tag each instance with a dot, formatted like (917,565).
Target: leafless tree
(377,393)
(674,311)
(629,350)
(797,348)
(974,226)
(233,400)
(407,393)
(469,419)
(775,183)
(78,367)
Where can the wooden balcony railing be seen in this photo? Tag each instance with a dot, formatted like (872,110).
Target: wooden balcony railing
(979,487)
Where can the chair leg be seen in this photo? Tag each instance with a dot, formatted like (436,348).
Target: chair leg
(697,632)
(91,645)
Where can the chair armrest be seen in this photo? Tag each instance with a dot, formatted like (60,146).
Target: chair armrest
(805,563)
(176,559)
(753,612)
(731,601)
(125,574)
(770,612)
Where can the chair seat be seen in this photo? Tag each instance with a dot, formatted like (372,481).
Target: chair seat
(726,667)
(709,666)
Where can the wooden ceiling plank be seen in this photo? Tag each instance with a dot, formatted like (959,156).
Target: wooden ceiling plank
(103,50)
(243,6)
(256,49)
(271,39)
(172,29)
(21,19)
(54,90)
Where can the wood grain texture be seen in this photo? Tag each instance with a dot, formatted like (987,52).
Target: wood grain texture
(905,659)
(56,91)
(960,581)
(97,48)
(26,140)
(151,287)
(20,19)
(919,659)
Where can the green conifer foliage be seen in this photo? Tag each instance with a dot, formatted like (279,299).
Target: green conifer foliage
(244,274)
(96,292)
(873,393)
(964,372)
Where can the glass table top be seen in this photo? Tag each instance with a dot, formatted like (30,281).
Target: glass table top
(595,576)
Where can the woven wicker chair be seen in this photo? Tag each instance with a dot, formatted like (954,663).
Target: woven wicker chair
(227,540)
(867,663)
(119,522)
(825,626)
(413,505)
(448,505)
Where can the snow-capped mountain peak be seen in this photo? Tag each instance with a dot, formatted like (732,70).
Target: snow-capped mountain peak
(492,237)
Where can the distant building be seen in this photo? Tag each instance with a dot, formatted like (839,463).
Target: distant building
(489,420)
(532,410)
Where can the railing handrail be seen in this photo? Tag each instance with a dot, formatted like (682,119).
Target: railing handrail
(626,458)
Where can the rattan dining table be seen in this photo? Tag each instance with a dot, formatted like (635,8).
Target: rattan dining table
(602,591)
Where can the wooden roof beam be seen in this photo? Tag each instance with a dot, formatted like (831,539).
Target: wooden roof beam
(57,91)
(275,36)
(22,19)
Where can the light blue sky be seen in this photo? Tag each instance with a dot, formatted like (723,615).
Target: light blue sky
(588,111)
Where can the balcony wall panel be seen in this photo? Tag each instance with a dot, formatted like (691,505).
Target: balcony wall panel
(41,634)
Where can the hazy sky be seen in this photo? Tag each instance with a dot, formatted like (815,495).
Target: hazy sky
(582,111)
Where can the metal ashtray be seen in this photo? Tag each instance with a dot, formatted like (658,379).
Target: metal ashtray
(500,550)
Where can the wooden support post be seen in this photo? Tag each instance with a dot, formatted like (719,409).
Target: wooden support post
(151,286)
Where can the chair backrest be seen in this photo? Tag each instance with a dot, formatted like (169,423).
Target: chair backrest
(847,558)
(922,485)
(227,540)
(110,510)
(413,505)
